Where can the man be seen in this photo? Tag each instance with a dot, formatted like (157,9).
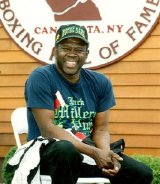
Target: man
(64,99)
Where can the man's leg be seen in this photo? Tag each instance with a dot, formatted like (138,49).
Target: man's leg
(61,161)
(132,172)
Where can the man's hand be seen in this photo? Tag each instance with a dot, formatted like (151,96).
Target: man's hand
(108,161)
(115,170)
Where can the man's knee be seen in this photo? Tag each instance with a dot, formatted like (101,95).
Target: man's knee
(66,151)
(144,173)
(148,175)
(62,148)
(138,171)
(65,147)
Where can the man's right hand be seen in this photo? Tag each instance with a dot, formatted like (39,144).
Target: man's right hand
(108,161)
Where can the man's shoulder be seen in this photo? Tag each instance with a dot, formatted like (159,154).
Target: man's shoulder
(45,68)
(94,74)
(43,71)
(99,80)
(41,74)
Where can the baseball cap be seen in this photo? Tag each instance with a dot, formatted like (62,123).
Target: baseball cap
(71,31)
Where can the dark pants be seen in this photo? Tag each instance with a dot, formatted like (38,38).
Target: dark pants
(63,163)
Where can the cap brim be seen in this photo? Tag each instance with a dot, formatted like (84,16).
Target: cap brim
(86,41)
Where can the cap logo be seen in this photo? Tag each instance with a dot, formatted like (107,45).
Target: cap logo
(115,28)
(80,32)
(73,29)
(67,31)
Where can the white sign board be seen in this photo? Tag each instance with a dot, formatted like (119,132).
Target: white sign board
(115,27)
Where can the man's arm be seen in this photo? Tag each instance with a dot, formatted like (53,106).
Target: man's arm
(100,133)
(101,137)
(44,119)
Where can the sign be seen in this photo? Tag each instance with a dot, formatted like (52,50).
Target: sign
(115,27)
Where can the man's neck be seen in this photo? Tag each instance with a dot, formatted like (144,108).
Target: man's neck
(71,78)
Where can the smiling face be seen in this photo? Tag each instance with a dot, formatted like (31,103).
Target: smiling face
(70,55)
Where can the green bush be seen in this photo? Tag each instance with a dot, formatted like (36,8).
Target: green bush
(153,162)
(7,176)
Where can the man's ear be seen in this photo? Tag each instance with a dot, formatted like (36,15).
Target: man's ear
(52,53)
(87,62)
(87,53)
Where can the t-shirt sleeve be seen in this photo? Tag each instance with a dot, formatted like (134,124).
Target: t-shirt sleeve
(106,96)
(38,91)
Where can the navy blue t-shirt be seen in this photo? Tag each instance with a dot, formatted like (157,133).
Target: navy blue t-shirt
(74,105)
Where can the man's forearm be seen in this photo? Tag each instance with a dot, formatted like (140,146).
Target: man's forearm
(102,139)
(61,134)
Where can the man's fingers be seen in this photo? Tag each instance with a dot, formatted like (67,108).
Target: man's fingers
(116,156)
(110,172)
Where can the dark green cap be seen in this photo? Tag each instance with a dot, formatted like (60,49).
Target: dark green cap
(71,31)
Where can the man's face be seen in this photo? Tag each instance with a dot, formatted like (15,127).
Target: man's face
(70,55)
